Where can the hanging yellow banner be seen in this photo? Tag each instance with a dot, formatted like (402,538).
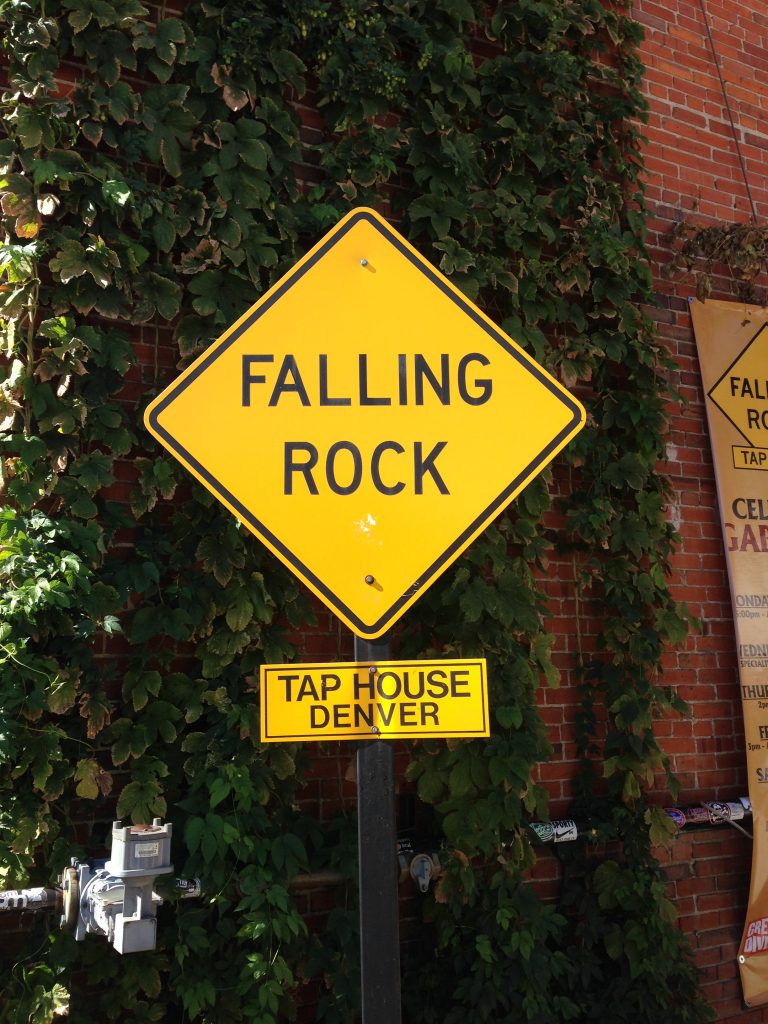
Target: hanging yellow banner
(732,341)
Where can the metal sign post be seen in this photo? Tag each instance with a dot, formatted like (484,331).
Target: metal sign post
(376,842)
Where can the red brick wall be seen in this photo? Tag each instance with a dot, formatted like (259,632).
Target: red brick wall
(693,170)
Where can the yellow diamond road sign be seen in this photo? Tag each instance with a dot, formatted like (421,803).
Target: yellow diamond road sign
(741,393)
(365,420)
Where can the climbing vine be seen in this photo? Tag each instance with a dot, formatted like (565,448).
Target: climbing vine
(704,251)
(158,174)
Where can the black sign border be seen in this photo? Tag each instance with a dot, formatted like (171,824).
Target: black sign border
(480,521)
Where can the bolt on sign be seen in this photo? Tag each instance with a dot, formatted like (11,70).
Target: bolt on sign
(367,700)
(365,420)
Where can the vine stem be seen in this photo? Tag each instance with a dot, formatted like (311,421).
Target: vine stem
(21,664)
(32,308)
(62,736)
(577,614)
(576,593)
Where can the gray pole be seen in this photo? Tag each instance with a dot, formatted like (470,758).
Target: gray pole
(377,841)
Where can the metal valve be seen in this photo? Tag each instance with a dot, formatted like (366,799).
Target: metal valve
(422,869)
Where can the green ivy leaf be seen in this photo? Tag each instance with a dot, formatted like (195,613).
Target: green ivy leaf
(156,293)
(83,507)
(193,833)
(116,192)
(431,787)
(220,557)
(122,102)
(509,716)
(138,687)
(74,260)
(62,693)
(90,779)
(282,763)
(32,127)
(168,125)
(145,625)
(141,802)
(239,613)
(164,233)
(219,791)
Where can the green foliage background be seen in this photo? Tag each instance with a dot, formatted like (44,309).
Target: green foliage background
(154,170)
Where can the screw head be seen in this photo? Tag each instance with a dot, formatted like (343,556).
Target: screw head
(370,580)
(363,263)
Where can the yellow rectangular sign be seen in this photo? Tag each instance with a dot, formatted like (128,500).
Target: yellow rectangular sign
(750,458)
(371,700)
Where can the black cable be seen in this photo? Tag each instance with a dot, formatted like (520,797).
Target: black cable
(728,110)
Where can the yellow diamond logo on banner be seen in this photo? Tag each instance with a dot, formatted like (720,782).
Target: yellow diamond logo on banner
(741,394)
(365,420)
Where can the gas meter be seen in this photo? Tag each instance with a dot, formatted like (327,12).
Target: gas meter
(117,900)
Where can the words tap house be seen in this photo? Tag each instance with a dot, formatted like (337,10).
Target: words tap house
(353,700)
